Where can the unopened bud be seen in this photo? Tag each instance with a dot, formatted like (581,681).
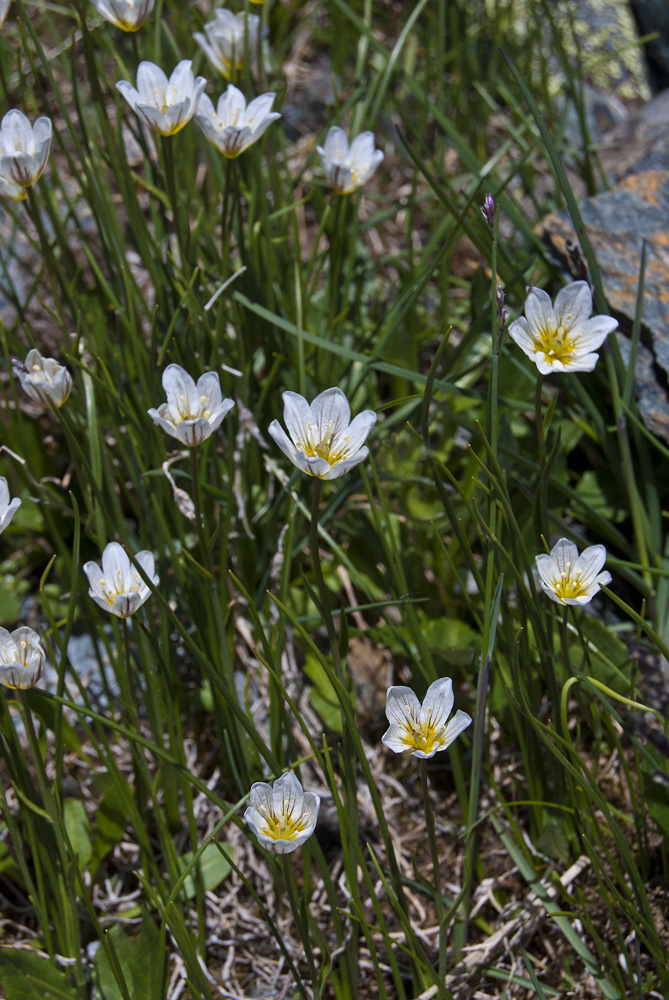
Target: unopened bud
(488,209)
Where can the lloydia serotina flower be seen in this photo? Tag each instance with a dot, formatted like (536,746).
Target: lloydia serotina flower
(562,337)
(128,15)
(24,148)
(422,730)
(324,442)
(232,126)
(164,105)
(44,380)
(118,587)
(22,658)
(7,507)
(568,578)
(4,11)
(192,412)
(226,40)
(347,168)
(282,816)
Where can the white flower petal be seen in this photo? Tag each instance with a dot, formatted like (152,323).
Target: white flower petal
(438,702)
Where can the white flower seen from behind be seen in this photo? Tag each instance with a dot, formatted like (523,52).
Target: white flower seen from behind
(46,382)
(232,126)
(128,15)
(192,412)
(324,442)
(568,578)
(4,10)
(282,816)
(22,658)
(7,507)
(164,105)
(226,39)
(117,586)
(422,730)
(347,168)
(562,337)
(24,148)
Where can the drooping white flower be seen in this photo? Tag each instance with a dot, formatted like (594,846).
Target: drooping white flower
(227,39)
(282,816)
(324,442)
(422,730)
(7,507)
(232,126)
(118,587)
(128,15)
(568,578)
(562,337)
(24,148)
(164,105)
(347,168)
(192,412)
(44,380)
(4,10)
(22,658)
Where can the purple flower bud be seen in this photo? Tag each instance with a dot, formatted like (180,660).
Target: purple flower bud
(488,209)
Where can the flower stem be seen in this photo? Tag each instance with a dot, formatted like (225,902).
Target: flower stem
(226,217)
(170,181)
(197,504)
(303,930)
(436,876)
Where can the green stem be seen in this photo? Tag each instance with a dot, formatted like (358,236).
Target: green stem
(197,504)
(542,488)
(226,217)
(436,876)
(302,930)
(171,184)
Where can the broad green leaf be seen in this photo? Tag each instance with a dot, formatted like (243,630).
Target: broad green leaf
(27,976)
(110,821)
(214,867)
(141,962)
(78,828)
(322,695)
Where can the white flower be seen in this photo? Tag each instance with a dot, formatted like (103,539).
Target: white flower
(422,730)
(128,15)
(24,148)
(562,337)
(349,168)
(192,412)
(7,507)
(4,10)
(568,578)
(44,380)
(118,587)
(226,39)
(284,816)
(164,105)
(232,126)
(323,442)
(22,658)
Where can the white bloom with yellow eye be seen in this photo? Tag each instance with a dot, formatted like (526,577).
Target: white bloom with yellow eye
(128,15)
(562,337)
(227,39)
(422,730)
(568,578)
(192,412)
(324,442)
(22,658)
(164,105)
(347,168)
(232,126)
(282,816)
(117,586)
(44,380)
(7,507)
(24,149)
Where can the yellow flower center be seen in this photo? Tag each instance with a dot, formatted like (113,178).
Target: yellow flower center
(323,449)
(555,342)
(284,826)
(569,587)
(422,736)
(110,594)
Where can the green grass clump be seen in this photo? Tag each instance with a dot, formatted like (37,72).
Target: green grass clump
(271,609)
